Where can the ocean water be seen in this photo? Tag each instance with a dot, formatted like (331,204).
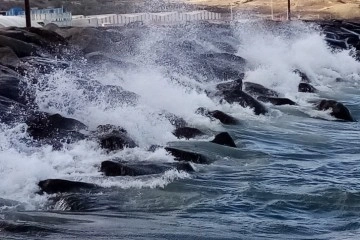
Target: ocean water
(294,175)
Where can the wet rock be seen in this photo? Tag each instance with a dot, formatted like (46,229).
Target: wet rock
(183,155)
(219,115)
(12,111)
(20,48)
(243,99)
(114,168)
(43,125)
(176,121)
(43,65)
(303,76)
(256,89)
(338,110)
(51,186)
(225,139)
(232,85)
(276,101)
(187,132)
(13,88)
(23,228)
(8,57)
(114,138)
(306,87)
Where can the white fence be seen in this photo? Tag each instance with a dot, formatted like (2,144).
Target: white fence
(146,18)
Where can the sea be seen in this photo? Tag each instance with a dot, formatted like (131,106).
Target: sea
(295,173)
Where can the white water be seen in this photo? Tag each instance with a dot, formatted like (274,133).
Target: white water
(271,56)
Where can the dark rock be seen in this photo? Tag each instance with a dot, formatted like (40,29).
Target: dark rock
(20,48)
(43,65)
(219,115)
(183,155)
(242,98)
(51,186)
(187,132)
(338,110)
(54,130)
(13,88)
(304,77)
(48,36)
(232,85)
(8,57)
(12,111)
(114,138)
(112,168)
(306,87)
(225,139)
(256,89)
(176,121)
(276,101)
(23,228)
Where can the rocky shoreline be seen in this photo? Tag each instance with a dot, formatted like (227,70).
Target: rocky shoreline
(27,52)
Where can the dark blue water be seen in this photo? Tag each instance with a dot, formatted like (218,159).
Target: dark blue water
(294,175)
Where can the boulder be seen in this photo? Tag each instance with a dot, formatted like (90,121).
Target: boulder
(55,127)
(114,138)
(307,87)
(219,115)
(187,132)
(8,57)
(231,85)
(338,110)
(188,156)
(225,139)
(303,76)
(51,186)
(20,48)
(276,100)
(243,99)
(256,90)
(116,168)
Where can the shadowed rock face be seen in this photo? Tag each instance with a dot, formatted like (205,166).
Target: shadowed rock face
(276,101)
(306,87)
(338,110)
(113,138)
(219,115)
(43,125)
(225,139)
(303,76)
(232,85)
(114,168)
(51,186)
(243,99)
(182,155)
(187,132)
(255,89)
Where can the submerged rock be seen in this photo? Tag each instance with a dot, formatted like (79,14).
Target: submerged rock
(187,132)
(338,110)
(51,186)
(243,99)
(219,115)
(183,155)
(276,101)
(115,168)
(225,139)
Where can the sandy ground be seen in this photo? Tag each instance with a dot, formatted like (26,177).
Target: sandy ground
(304,9)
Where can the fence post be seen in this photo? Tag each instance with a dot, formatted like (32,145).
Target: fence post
(27,13)
(288,11)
